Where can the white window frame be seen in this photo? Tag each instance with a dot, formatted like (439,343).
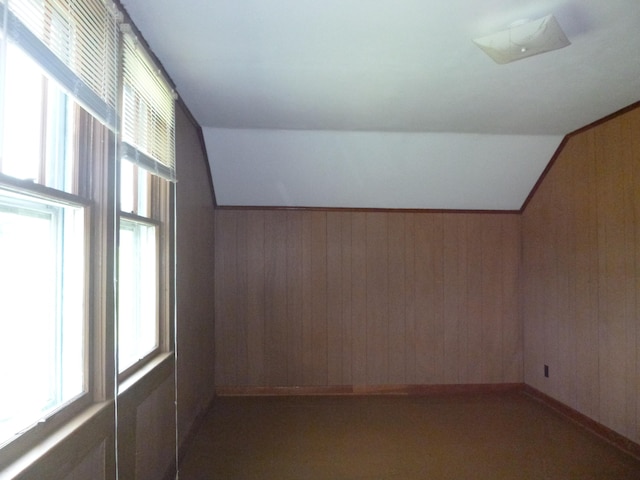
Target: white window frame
(148,143)
(158,213)
(19,201)
(83,139)
(94,188)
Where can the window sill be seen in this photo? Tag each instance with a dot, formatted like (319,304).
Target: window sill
(60,451)
(136,387)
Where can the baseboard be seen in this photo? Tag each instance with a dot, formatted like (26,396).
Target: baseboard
(611,436)
(338,390)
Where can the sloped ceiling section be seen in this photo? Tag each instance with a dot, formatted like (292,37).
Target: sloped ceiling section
(387,104)
(375,169)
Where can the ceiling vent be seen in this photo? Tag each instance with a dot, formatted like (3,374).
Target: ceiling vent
(523,40)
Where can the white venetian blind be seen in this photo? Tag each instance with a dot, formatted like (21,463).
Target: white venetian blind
(148,112)
(76,42)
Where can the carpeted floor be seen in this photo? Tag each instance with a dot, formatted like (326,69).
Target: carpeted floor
(483,436)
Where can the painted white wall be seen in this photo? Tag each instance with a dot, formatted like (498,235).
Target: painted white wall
(255,167)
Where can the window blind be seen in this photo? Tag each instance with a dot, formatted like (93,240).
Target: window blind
(74,41)
(148,112)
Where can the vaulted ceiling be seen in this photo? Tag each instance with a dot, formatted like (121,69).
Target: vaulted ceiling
(387,103)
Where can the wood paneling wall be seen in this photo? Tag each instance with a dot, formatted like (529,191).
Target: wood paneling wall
(156,425)
(194,267)
(92,466)
(581,276)
(325,298)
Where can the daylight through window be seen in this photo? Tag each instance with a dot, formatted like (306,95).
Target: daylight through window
(86,239)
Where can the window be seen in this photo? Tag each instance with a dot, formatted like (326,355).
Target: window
(43,231)
(142,223)
(41,298)
(146,170)
(85,215)
(138,292)
(38,125)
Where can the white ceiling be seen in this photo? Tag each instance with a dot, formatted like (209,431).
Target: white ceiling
(386,103)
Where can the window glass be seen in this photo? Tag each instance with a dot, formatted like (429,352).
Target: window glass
(38,125)
(135,189)
(43,330)
(85,245)
(42,326)
(138,271)
(137,292)
(23,110)
(147,166)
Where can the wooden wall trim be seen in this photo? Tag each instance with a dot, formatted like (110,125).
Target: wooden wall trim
(347,390)
(620,441)
(363,210)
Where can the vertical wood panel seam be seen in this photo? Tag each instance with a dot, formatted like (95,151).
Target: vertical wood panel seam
(441,285)
(574,280)
(287,282)
(350,223)
(284,325)
(404,294)
(326,289)
(505,276)
(366,299)
(520,295)
(235,308)
(468,289)
(412,293)
(388,303)
(597,265)
(352,352)
(633,275)
(636,210)
(344,320)
(502,302)
(482,305)
(350,320)
(264,358)
(632,309)
(598,279)
(414,300)
(635,207)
